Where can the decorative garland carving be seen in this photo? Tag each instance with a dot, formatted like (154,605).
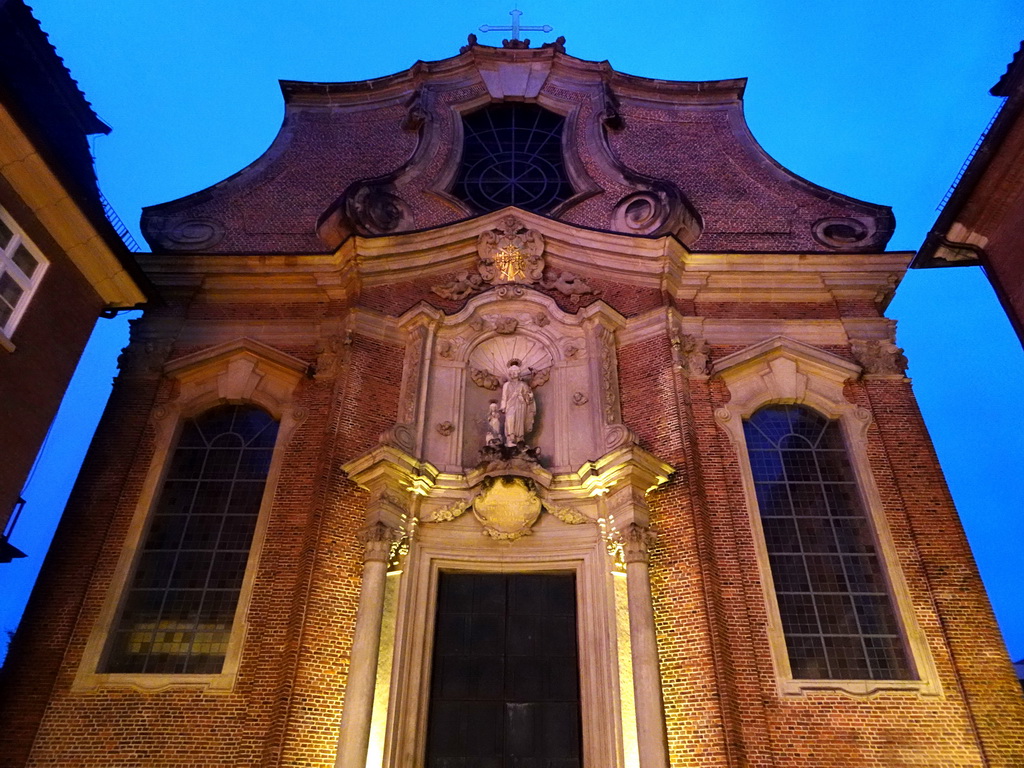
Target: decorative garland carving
(566,515)
(608,383)
(413,364)
(507,507)
(449,513)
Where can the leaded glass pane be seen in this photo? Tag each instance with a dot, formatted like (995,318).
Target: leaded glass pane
(512,155)
(832,593)
(181,601)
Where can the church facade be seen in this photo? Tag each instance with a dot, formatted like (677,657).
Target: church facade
(513,411)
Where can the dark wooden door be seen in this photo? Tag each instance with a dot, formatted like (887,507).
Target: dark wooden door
(505,680)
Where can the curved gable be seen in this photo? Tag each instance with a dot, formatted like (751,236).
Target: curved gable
(644,157)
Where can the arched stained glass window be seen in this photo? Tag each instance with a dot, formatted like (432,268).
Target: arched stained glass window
(180,603)
(512,155)
(833,594)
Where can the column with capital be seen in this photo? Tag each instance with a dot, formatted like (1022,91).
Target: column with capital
(652,740)
(354,738)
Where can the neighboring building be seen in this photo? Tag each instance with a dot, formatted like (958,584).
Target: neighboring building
(62,263)
(982,222)
(511,410)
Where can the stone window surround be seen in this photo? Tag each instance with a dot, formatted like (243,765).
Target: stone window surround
(29,284)
(240,371)
(781,370)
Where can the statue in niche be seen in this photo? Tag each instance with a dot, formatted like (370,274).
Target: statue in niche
(510,420)
(518,405)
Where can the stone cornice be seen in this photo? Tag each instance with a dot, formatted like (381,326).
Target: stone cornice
(660,262)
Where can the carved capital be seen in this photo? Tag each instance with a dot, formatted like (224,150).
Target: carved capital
(377,540)
(880,357)
(637,541)
(691,354)
(144,359)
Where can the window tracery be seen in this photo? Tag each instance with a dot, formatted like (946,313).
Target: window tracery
(512,155)
(180,603)
(833,596)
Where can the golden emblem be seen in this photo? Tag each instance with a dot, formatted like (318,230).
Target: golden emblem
(511,263)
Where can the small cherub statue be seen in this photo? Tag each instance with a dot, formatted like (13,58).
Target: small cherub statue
(493,424)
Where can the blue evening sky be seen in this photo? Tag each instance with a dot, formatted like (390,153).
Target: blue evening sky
(879,100)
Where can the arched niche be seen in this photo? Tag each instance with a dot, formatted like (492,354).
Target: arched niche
(456,365)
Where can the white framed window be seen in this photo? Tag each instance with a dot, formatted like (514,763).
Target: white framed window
(864,638)
(21,270)
(176,606)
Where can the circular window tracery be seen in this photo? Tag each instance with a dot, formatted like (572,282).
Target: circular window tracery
(512,155)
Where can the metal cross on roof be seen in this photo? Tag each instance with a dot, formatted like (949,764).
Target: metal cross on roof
(515,28)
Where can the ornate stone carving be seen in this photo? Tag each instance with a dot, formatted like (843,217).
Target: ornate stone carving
(377,540)
(690,353)
(610,115)
(510,291)
(637,542)
(880,357)
(541,319)
(572,349)
(580,399)
(328,355)
(518,407)
(843,232)
(451,512)
(374,209)
(465,284)
(567,284)
(609,385)
(417,115)
(445,428)
(410,382)
(511,254)
(641,213)
(507,507)
(144,358)
(505,325)
(484,379)
(400,436)
(885,292)
(446,348)
(195,234)
(566,515)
